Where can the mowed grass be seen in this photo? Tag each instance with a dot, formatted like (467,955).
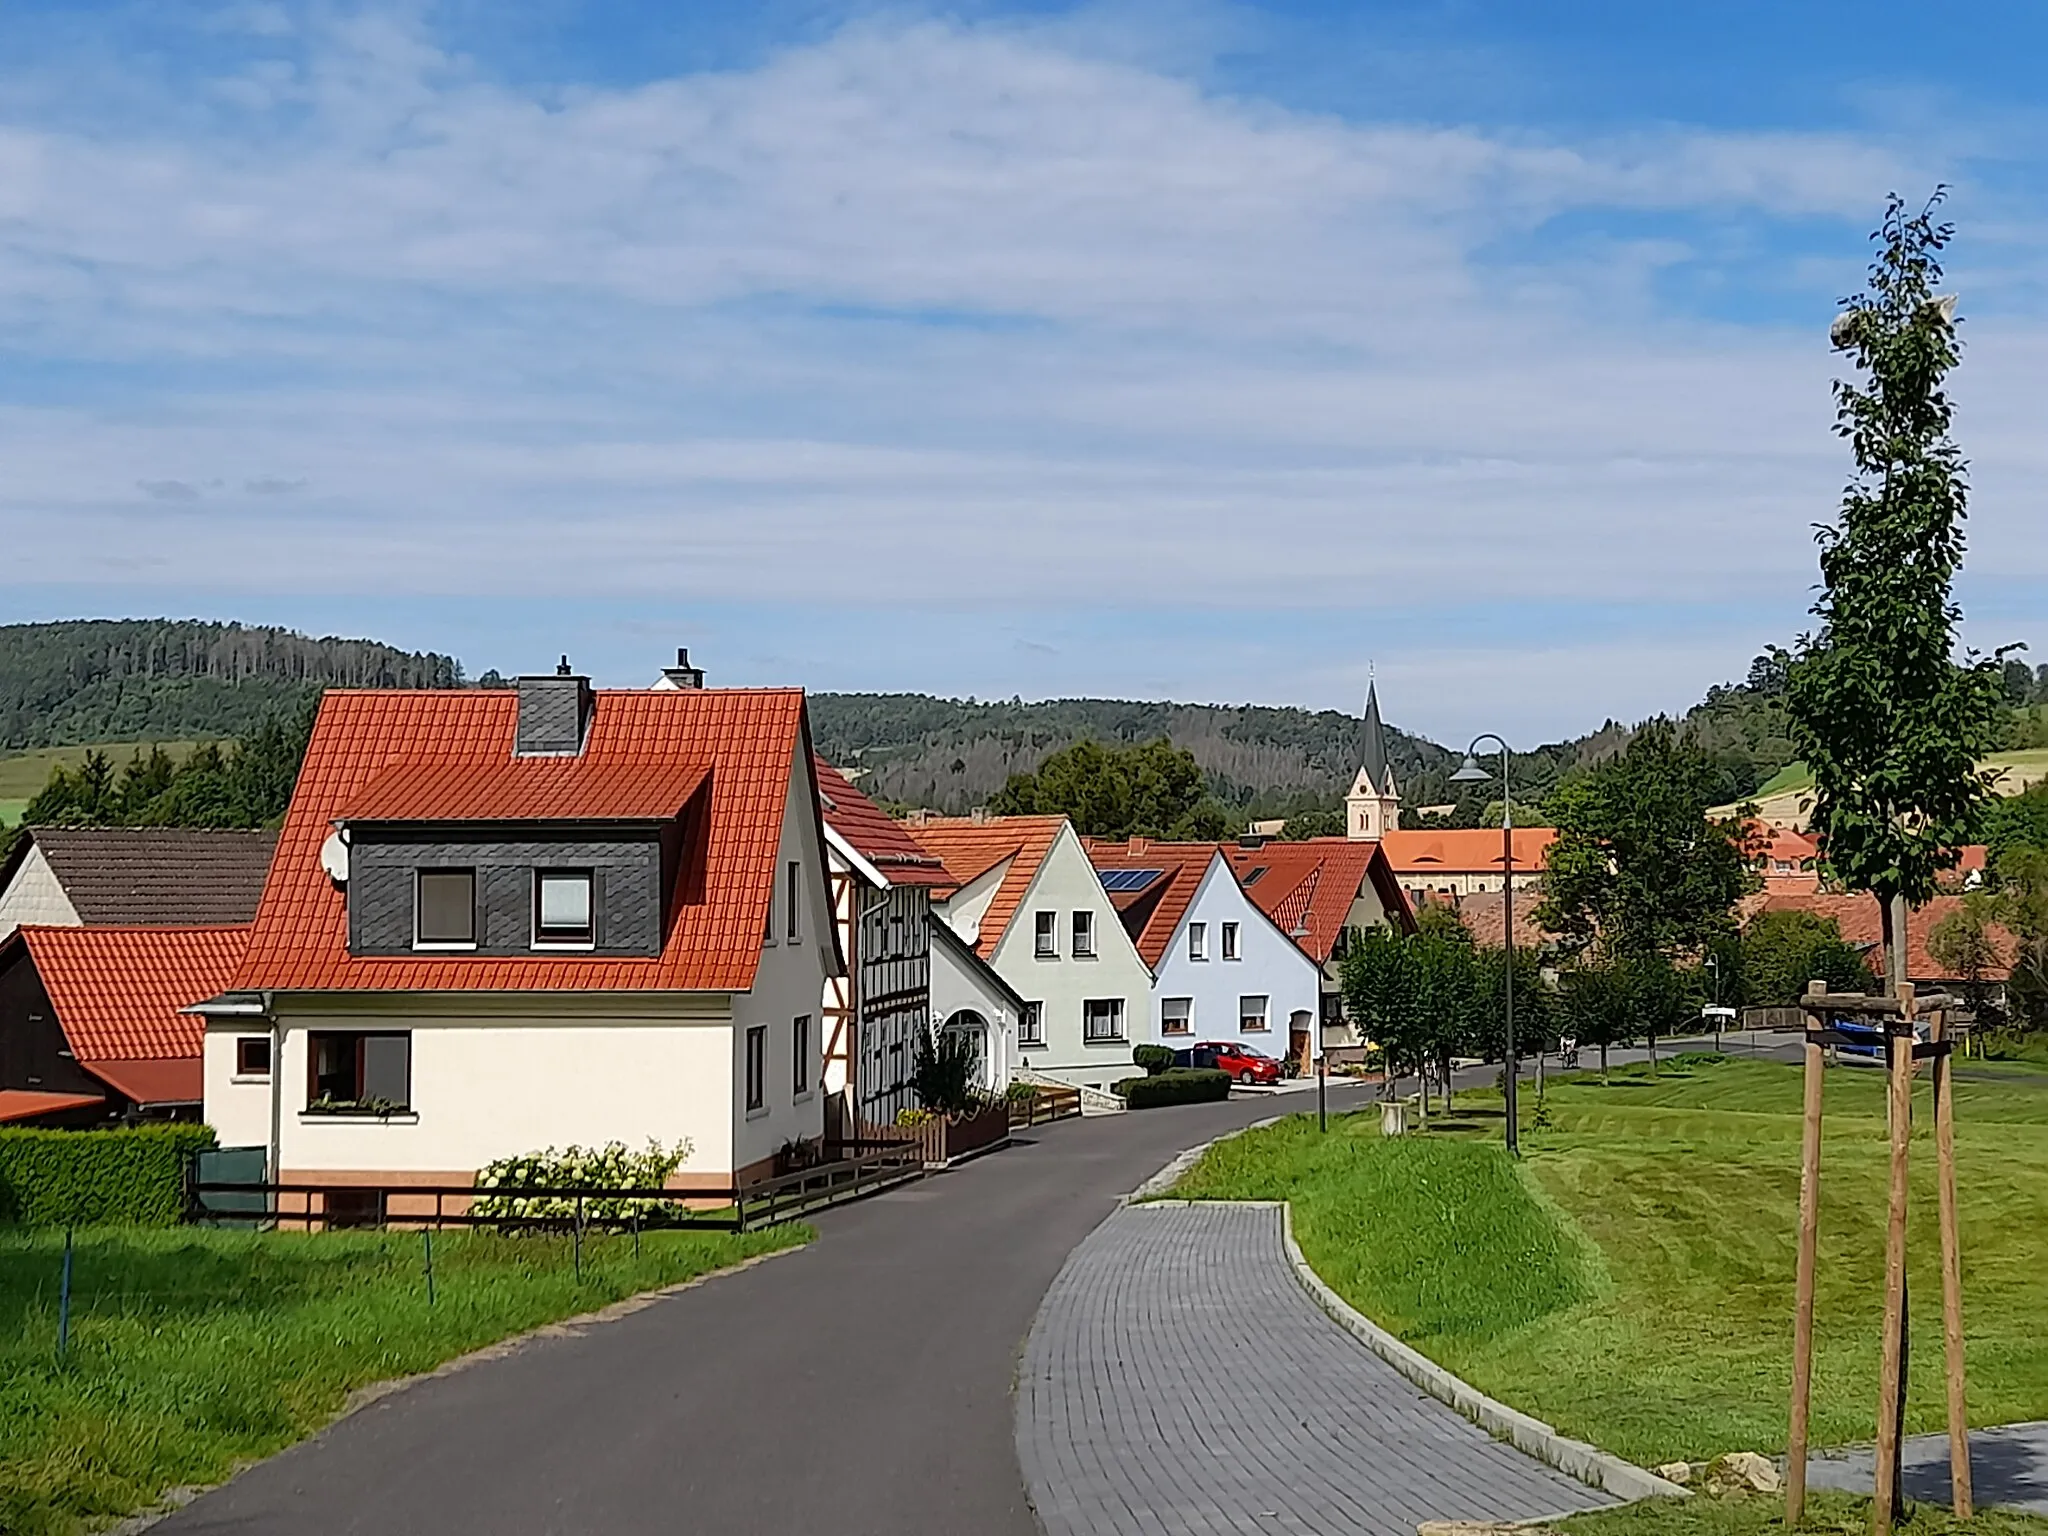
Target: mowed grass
(193,1351)
(1831,1514)
(1631,1282)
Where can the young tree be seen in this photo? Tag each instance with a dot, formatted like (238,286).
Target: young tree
(1890,723)
(1964,946)
(1593,1003)
(1782,951)
(1379,992)
(1637,862)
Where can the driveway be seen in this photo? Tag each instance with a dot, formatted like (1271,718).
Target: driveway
(861,1386)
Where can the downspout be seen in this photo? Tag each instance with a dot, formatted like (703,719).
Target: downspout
(276,1149)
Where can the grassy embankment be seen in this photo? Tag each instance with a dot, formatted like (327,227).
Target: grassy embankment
(193,1351)
(1631,1282)
(1832,1514)
(1778,798)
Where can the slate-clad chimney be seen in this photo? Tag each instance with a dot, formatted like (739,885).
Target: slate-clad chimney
(682,674)
(554,714)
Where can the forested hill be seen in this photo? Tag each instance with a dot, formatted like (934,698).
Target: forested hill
(88,680)
(952,754)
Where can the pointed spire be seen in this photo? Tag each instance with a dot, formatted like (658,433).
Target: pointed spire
(1375,738)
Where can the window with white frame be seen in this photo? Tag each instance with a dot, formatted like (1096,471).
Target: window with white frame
(1176,1015)
(1102,1019)
(1230,941)
(1046,935)
(1031,1025)
(1084,935)
(563,909)
(1252,1012)
(757,1069)
(1198,941)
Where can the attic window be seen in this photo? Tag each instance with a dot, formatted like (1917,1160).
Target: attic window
(562,907)
(1251,876)
(444,909)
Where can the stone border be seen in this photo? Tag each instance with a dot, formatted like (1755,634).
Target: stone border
(1575,1458)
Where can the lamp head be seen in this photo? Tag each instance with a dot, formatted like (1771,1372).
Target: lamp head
(1470,772)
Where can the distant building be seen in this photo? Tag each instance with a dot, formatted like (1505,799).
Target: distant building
(151,877)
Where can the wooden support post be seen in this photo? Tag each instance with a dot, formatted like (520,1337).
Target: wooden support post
(1891,1378)
(1951,1277)
(1809,1249)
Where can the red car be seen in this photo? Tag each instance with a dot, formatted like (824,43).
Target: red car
(1240,1061)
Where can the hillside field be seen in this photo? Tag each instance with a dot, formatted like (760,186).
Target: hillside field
(23,774)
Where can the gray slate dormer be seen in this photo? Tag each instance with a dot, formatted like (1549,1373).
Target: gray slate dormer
(554,714)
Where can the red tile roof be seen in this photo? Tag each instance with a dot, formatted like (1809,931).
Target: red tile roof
(875,835)
(969,848)
(1428,850)
(528,789)
(743,742)
(1481,912)
(1307,887)
(1152,915)
(1860,921)
(27,1103)
(117,993)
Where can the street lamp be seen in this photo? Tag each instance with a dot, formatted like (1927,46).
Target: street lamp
(1469,772)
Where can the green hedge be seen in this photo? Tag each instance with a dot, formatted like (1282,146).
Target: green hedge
(133,1177)
(1182,1085)
(1155,1059)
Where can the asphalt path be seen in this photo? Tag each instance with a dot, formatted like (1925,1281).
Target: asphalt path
(861,1386)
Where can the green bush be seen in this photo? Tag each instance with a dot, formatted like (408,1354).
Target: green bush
(1155,1059)
(612,1166)
(1180,1085)
(130,1177)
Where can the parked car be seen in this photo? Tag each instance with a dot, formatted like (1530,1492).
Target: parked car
(1240,1061)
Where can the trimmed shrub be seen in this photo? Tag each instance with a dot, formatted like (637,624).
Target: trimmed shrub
(611,1166)
(129,1177)
(1155,1059)
(1180,1085)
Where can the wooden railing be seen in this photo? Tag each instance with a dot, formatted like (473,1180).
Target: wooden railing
(1045,1106)
(811,1189)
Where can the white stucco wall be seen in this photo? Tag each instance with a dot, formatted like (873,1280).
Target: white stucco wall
(1066,883)
(959,983)
(495,1075)
(790,982)
(1269,964)
(35,896)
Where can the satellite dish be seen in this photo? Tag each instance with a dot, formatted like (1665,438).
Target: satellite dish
(334,856)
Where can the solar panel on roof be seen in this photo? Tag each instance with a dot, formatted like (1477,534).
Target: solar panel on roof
(1119,881)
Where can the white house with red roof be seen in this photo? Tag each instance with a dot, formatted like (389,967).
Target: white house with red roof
(1224,971)
(906,970)
(1027,900)
(505,919)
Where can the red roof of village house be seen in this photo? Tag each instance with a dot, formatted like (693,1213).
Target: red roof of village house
(1775,843)
(1307,887)
(738,743)
(1430,850)
(969,848)
(1152,914)
(28,1103)
(874,834)
(117,993)
(528,789)
(1856,914)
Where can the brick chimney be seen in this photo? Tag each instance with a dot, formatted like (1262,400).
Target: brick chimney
(554,713)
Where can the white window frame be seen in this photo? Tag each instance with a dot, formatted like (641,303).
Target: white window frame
(1082,934)
(1232,949)
(445,945)
(1031,1025)
(1186,1026)
(1122,1034)
(1198,941)
(589,879)
(1045,934)
(1264,1015)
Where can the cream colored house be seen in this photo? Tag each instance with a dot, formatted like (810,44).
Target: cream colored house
(1028,901)
(503,920)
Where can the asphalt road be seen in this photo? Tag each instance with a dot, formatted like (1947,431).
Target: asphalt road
(861,1386)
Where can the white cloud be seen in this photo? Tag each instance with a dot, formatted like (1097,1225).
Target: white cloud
(926,308)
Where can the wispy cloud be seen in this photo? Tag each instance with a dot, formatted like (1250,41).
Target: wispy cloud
(930,308)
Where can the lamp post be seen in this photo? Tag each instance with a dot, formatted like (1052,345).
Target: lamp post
(1469,772)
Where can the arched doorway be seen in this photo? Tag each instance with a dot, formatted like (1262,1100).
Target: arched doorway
(969,1024)
(1301,1044)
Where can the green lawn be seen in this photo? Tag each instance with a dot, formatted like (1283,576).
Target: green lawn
(1759,1515)
(23,774)
(1631,1282)
(195,1350)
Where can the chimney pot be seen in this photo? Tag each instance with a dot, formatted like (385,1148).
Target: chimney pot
(682,674)
(562,667)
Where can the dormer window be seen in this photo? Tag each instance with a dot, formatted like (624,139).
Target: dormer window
(563,909)
(444,909)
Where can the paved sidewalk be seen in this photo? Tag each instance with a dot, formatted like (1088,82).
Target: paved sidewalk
(2008,1466)
(1178,1379)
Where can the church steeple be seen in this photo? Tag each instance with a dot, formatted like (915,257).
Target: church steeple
(1374,805)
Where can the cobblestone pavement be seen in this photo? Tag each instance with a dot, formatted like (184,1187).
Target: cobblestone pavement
(1178,1379)
(2008,1466)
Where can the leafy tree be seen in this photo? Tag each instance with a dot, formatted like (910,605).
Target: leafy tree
(1964,946)
(2022,906)
(1417,996)
(1637,862)
(247,785)
(2018,821)
(1780,952)
(1306,824)
(1593,1004)
(944,1065)
(1153,790)
(1891,725)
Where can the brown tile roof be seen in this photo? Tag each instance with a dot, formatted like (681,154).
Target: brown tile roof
(1151,915)
(742,742)
(1307,888)
(1861,923)
(969,848)
(1428,850)
(876,836)
(1481,913)
(156,876)
(118,992)
(28,1103)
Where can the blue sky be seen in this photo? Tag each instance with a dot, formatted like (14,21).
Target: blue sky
(1203,351)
